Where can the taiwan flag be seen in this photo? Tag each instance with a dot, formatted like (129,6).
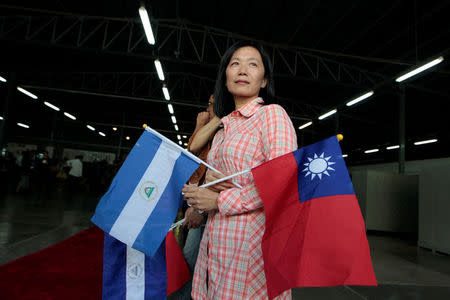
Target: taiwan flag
(315,234)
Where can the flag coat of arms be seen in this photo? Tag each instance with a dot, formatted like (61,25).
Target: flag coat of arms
(143,199)
(315,234)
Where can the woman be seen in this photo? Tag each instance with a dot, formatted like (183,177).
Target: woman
(230,263)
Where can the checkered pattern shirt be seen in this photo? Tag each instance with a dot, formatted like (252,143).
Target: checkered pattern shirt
(230,262)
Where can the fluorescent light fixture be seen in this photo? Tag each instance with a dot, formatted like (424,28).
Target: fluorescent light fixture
(393,147)
(185,144)
(372,151)
(23,125)
(51,106)
(176,127)
(425,142)
(180,142)
(115,128)
(179,137)
(2,79)
(360,98)
(174,120)
(159,70)
(184,136)
(420,69)
(166,93)
(328,114)
(344,155)
(27,93)
(90,127)
(101,133)
(69,116)
(305,125)
(147,26)
(127,138)
(170,107)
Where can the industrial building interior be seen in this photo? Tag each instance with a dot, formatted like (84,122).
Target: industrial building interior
(79,78)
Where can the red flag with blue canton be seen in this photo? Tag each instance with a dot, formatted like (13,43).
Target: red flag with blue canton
(315,234)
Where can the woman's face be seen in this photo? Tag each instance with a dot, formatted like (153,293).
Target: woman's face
(245,73)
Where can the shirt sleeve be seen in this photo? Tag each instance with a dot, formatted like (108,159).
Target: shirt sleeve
(277,138)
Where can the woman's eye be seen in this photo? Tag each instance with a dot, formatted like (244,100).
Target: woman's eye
(234,63)
(253,65)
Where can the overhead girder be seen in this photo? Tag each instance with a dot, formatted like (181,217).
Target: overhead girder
(145,87)
(177,41)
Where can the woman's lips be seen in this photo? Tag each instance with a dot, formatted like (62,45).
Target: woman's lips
(241,82)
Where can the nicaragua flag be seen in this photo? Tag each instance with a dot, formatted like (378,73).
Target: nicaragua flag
(143,199)
(129,274)
(315,234)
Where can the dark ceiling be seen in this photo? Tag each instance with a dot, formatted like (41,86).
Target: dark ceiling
(91,59)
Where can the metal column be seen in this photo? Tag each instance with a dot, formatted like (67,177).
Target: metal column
(8,118)
(401,129)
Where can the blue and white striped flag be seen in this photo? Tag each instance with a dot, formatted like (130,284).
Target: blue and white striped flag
(129,274)
(143,198)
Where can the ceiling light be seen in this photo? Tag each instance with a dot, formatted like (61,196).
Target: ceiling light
(170,107)
(420,69)
(115,128)
(159,70)
(328,114)
(51,106)
(425,142)
(360,98)
(180,142)
(147,26)
(2,79)
(166,93)
(1,118)
(127,138)
(178,137)
(185,144)
(69,116)
(174,120)
(372,151)
(344,155)
(27,92)
(393,147)
(90,127)
(176,127)
(23,125)
(101,133)
(184,136)
(305,125)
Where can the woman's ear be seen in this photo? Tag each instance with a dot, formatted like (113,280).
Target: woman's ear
(264,82)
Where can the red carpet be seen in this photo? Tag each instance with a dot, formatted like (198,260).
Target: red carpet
(71,269)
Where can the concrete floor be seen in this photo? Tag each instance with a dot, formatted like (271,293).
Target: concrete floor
(30,221)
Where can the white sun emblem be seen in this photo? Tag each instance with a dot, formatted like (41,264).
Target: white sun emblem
(318,165)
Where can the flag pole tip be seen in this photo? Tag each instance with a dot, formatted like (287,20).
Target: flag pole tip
(340,137)
(144,125)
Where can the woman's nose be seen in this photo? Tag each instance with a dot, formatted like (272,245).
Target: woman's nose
(242,69)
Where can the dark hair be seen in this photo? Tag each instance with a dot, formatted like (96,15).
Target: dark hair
(223,100)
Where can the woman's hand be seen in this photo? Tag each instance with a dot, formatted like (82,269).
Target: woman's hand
(202,119)
(200,198)
(221,186)
(192,218)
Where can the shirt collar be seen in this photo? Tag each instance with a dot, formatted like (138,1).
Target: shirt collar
(248,109)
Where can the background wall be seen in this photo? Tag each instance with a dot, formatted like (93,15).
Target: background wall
(418,201)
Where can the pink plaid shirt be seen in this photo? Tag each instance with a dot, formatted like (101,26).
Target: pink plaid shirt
(230,263)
